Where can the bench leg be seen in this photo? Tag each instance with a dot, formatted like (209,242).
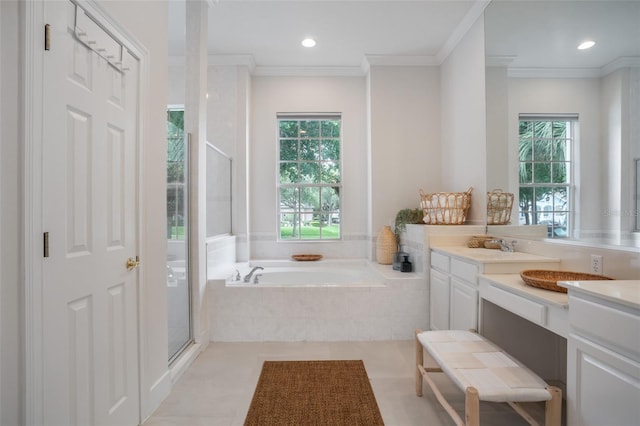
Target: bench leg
(472,407)
(553,407)
(419,361)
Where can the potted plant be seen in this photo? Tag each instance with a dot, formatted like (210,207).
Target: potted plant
(404,217)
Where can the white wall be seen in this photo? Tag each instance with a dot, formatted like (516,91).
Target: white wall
(11,278)
(631,151)
(612,89)
(581,96)
(404,128)
(271,95)
(498,131)
(463,121)
(620,132)
(228,129)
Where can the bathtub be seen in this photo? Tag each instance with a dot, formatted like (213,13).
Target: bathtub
(316,274)
(328,300)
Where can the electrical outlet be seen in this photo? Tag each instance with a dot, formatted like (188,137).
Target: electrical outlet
(596,264)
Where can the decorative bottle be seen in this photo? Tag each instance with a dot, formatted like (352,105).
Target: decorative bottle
(385,246)
(406,265)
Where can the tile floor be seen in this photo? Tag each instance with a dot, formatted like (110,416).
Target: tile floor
(218,387)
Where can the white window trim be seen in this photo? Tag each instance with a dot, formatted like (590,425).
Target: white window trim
(301,117)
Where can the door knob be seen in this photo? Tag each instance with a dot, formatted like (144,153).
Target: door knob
(133,263)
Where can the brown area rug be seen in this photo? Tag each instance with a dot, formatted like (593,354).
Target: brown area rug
(328,393)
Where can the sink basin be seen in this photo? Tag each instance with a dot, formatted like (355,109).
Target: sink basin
(501,262)
(491,255)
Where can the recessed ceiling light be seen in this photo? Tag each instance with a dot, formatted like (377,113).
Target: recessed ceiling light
(586,45)
(308,42)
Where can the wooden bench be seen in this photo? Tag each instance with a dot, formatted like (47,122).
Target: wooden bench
(484,372)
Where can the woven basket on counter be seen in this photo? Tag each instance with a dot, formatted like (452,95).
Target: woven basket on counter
(547,280)
(445,208)
(499,205)
(477,241)
(492,244)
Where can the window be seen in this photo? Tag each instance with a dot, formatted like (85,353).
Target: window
(309,177)
(176,175)
(544,153)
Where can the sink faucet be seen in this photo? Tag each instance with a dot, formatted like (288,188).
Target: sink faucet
(256,279)
(507,245)
(247,278)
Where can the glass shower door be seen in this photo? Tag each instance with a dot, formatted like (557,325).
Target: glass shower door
(178,287)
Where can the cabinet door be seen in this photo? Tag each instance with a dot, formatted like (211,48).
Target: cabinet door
(439,301)
(464,306)
(603,387)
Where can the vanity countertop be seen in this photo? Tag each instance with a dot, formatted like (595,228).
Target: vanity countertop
(625,292)
(483,255)
(514,283)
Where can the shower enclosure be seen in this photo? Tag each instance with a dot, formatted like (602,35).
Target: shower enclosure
(178,284)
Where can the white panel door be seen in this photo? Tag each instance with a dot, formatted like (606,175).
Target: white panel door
(90,170)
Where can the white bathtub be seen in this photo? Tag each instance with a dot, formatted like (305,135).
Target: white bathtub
(328,300)
(316,274)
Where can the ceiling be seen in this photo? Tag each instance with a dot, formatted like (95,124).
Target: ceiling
(545,34)
(266,34)
(346,31)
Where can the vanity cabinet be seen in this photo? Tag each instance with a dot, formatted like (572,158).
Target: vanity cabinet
(463,305)
(453,293)
(603,377)
(454,287)
(439,300)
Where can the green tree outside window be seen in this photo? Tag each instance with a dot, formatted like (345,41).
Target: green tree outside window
(309,177)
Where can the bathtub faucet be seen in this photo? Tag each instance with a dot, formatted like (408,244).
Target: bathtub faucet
(247,278)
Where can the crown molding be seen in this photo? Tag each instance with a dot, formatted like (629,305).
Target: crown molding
(400,61)
(625,62)
(554,72)
(233,60)
(499,61)
(472,15)
(262,71)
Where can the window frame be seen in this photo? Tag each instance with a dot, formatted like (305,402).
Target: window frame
(299,186)
(570,185)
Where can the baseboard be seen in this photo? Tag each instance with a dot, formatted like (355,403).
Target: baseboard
(162,387)
(157,393)
(185,360)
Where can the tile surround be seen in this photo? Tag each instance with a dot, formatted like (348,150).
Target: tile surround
(392,312)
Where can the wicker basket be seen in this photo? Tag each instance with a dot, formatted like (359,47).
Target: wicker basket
(445,208)
(492,244)
(499,206)
(547,280)
(477,241)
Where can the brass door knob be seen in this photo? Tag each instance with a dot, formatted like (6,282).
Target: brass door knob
(133,263)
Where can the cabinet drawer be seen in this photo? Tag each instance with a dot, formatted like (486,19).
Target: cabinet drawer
(607,324)
(464,270)
(526,308)
(439,261)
